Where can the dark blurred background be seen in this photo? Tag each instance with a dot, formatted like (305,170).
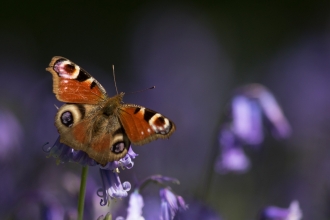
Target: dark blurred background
(195,53)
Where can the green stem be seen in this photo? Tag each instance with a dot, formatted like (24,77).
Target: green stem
(81,200)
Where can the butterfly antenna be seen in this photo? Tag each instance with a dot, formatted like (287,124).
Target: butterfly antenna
(97,95)
(152,87)
(114,77)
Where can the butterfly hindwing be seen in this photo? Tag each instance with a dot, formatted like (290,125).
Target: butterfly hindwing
(82,128)
(143,125)
(73,84)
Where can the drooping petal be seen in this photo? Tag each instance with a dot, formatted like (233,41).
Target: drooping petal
(247,120)
(228,139)
(165,211)
(232,157)
(112,187)
(131,153)
(170,204)
(273,111)
(125,162)
(232,160)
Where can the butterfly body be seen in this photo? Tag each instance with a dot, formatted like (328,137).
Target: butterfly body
(101,126)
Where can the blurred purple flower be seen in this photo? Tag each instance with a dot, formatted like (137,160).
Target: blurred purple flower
(234,160)
(170,204)
(37,205)
(275,213)
(247,120)
(232,157)
(134,210)
(273,112)
(11,134)
(249,106)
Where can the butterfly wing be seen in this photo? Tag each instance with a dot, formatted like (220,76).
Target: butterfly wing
(73,84)
(82,128)
(144,125)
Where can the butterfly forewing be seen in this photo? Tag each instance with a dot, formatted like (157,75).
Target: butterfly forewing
(144,125)
(73,84)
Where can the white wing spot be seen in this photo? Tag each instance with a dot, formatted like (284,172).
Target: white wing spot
(154,118)
(167,125)
(159,129)
(142,111)
(63,73)
(90,80)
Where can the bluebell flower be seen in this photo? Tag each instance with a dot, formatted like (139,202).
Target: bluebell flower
(170,204)
(250,104)
(64,154)
(232,157)
(112,186)
(275,213)
(232,160)
(249,107)
(125,162)
(135,205)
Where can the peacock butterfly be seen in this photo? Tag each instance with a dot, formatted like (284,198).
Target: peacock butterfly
(102,126)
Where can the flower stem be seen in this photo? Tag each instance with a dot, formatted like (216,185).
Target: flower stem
(81,200)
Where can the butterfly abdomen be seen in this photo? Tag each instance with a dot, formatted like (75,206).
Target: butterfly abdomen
(112,104)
